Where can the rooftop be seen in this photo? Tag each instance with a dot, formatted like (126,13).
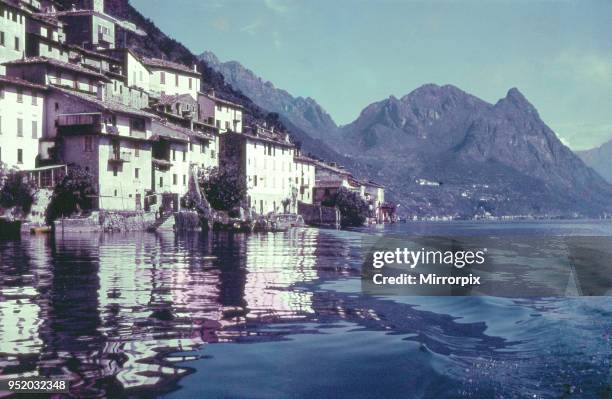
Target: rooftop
(58,64)
(165,99)
(164,130)
(20,82)
(165,64)
(221,100)
(108,105)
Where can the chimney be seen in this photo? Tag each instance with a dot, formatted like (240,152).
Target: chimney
(195,68)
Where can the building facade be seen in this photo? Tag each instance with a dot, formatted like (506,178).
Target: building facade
(21,122)
(12,32)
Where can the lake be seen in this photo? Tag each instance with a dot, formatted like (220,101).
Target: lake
(278,315)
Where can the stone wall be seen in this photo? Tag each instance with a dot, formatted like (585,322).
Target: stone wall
(106,221)
(317,215)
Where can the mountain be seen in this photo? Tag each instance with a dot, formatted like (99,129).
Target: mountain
(304,113)
(600,159)
(445,152)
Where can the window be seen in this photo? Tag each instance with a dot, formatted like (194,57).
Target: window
(16,44)
(19,127)
(190,83)
(1,92)
(174,179)
(218,124)
(255,181)
(137,173)
(137,150)
(218,107)
(202,148)
(2,39)
(184,156)
(176,80)
(115,171)
(227,125)
(19,95)
(184,180)
(162,78)
(174,155)
(19,155)
(57,106)
(190,146)
(161,181)
(34,130)
(34,98)
(137,125)
(212,153)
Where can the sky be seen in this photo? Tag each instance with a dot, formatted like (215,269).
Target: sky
(347,54)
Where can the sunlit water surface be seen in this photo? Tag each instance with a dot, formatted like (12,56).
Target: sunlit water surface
(280,315)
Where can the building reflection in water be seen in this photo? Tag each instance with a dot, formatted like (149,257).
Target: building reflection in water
(107,311)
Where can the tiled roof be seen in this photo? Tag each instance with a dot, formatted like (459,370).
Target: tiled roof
(305,159)
(112,106)
(20,82)
(165,64)
(334,169)
(165,130)
(370,183)
(165,99)
(221,101)
(56,63)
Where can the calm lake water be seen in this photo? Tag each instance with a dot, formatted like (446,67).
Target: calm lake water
(281,315)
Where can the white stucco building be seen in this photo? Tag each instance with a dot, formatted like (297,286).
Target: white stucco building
(109,139)
(171,78)
(224,115)
(21,122)
(304,177)
(12,32)
(265,160)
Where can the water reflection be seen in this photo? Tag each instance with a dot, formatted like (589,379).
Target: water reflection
(117,312)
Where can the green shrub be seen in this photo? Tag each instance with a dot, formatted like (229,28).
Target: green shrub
(17,191)
(353,209)
(225,188)
(74,194)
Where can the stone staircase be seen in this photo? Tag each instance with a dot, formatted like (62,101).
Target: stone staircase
(166,222)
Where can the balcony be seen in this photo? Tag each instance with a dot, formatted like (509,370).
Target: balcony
(119,156)
(73,124)
(139,134)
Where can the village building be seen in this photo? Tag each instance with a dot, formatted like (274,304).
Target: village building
(110,140)
(375,197)
(171,165)
(12,32)
(21,122)
(45,38)
(171,78)
(304,177)
(264,159)
(224,115)
(49,71)
(134,71)
(329,178)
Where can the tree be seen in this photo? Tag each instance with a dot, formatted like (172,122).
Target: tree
(353,209)
(225,188)
(17,191)
(73,194)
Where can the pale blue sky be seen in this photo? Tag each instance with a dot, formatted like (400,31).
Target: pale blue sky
(347,54)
